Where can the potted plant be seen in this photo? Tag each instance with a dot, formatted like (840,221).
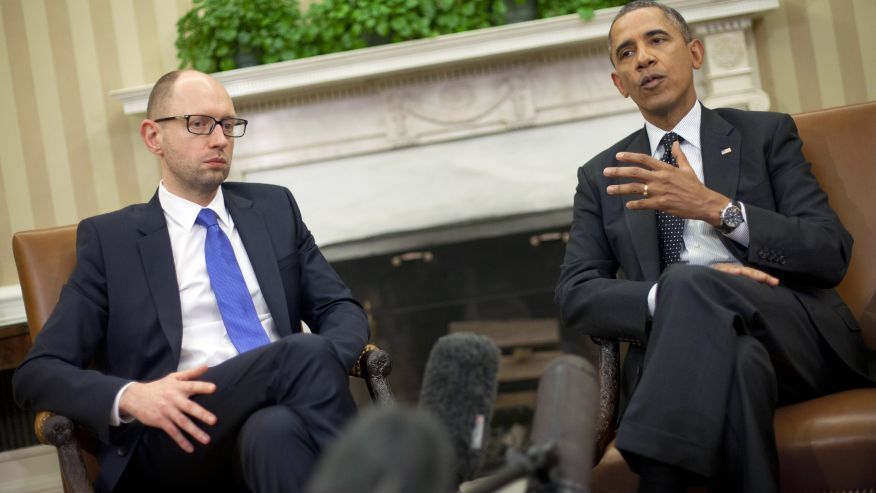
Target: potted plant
(226,34)
(584,8)
(338,25)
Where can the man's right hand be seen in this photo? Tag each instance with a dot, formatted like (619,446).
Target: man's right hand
(166,404)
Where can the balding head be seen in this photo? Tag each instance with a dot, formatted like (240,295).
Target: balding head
(164,89)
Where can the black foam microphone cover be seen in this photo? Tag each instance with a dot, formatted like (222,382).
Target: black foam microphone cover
(565,416)
(388,450)
(459,387)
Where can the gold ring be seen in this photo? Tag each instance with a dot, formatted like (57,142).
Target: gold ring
(645,192)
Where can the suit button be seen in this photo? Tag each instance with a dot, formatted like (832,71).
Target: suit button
(122,451)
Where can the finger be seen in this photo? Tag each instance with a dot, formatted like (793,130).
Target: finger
(643,204)
(633,172)
(198,387)
(626,189)
(643,160)
(184,423)
(191,373)
(763,277)
(195,410)
(176,435)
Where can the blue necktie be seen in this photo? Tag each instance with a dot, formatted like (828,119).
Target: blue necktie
(232,296)
(670,229)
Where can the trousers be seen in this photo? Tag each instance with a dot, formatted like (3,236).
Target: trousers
(277,408)
(722,353)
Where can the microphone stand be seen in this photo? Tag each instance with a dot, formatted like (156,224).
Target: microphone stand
(536,463)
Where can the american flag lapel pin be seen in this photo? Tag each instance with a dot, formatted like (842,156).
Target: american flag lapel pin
(726,151)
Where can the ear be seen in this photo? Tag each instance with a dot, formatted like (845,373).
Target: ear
(151,135)
(697,53)
(619,84)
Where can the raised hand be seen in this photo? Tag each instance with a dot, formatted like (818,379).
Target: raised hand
(677,191)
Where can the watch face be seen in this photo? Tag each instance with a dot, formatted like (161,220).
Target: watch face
(731,216)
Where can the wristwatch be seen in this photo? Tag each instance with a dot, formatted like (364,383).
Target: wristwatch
(731,217)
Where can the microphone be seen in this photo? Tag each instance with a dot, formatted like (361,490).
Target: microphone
(565,416)
(459,388)
(563,433)
(388,450)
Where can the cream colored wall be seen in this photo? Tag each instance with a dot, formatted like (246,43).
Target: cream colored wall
(813,53)
(67,151)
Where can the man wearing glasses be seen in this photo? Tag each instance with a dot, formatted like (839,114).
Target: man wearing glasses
(177,340)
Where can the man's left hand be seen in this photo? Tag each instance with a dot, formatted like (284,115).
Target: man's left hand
(749,272)
(677,191)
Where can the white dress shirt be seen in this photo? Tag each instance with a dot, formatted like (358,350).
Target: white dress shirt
(702,243)
(204,339)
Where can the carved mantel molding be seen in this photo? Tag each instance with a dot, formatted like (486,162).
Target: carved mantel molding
(460,128)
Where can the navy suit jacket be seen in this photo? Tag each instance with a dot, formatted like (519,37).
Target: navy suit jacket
(118,318)
(794,234)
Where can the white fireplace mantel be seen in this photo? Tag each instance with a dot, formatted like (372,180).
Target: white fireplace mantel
(458,136)
(346,67)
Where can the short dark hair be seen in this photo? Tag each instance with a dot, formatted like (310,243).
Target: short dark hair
(161,91)
(670,13)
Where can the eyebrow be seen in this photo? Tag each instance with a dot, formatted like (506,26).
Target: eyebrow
(628,42)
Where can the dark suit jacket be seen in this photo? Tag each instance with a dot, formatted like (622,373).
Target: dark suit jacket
(120,310)
(795,235)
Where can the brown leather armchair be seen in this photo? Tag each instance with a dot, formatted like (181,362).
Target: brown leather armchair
(826,444)
(45,259)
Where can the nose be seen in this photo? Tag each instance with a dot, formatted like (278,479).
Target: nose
(217,138)
(644,57)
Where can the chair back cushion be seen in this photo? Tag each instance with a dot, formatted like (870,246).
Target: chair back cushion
(45,259)
(840,143)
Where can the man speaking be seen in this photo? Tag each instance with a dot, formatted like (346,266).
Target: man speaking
(728,250)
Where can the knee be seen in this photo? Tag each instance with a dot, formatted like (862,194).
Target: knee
(753,366)
(685,275)
(306,346)
(268,425)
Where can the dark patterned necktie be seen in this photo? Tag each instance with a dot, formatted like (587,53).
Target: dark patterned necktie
(670,229)
(235,303)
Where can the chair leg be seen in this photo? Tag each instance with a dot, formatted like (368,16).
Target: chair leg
(609,374)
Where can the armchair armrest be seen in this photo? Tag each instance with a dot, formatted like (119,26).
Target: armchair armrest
(59,431)
(374,365)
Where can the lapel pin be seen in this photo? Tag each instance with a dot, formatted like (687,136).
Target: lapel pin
(726,151)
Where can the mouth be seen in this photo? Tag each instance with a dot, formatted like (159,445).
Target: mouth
(650,81)
(217,163)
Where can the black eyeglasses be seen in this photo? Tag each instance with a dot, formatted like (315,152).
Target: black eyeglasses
(204,125)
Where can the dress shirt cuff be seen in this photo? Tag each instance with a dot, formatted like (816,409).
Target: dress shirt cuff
(115,419)
(652,300)
(740,234)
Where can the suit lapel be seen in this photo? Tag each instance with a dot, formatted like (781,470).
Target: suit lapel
(721,152)
(643,223)
(157,258)
(260,251)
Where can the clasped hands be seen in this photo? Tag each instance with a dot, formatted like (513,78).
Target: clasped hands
(677,191)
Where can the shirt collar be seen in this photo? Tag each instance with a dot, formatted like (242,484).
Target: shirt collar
(184,212)
(688,128)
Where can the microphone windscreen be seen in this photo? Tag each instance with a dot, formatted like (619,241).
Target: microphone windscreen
(459,387)
(388,450)
(565,415)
